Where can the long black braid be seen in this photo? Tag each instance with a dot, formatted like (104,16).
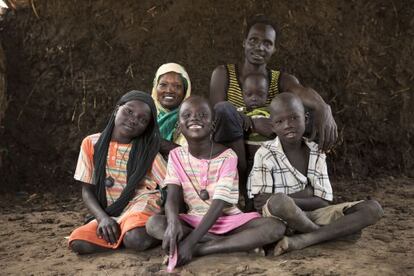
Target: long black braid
(142,154)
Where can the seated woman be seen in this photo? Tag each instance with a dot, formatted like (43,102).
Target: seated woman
(170,87)
(204,174)
(120,170)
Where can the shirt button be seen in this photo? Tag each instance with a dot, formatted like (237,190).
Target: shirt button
(113,157)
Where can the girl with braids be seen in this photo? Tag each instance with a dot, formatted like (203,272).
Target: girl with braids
(120,170)
(204,175)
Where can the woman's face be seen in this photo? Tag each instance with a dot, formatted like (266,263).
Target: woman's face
(131,120)
(170,90)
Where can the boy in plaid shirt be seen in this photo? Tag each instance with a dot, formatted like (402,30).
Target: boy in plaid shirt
(289,181)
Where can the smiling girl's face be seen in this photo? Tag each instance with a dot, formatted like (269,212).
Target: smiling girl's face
(195,119)
(131,120)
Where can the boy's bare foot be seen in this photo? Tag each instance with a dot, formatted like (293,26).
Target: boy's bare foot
(287,244)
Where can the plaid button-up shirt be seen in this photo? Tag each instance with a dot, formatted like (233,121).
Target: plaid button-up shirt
(273,173)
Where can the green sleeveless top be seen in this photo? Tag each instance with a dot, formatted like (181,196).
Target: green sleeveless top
(234,91)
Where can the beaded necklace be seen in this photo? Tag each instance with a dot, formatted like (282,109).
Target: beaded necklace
(203,194)
(110,181)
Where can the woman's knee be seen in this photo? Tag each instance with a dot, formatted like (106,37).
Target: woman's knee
(282,206)
(223,109)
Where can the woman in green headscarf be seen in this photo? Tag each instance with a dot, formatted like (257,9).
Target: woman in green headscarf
(170,87)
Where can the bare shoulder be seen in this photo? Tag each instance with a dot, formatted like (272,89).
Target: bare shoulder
(288,81)
(218,85)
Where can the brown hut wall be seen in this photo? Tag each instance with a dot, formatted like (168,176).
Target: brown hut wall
(67,68)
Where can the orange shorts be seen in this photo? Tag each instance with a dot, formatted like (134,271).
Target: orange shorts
(130,221)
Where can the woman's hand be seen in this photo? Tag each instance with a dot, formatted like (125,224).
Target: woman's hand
(108,229)
(173,234)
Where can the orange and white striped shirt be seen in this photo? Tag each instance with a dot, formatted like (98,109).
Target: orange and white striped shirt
(146,193)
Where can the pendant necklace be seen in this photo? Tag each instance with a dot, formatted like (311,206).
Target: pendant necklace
(110,181)
(204,195)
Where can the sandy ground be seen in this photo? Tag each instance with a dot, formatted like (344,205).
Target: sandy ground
(33,228)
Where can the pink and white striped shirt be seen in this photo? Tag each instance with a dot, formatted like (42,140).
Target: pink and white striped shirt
(220,176)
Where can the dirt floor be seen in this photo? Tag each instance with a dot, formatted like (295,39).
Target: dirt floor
(33,242)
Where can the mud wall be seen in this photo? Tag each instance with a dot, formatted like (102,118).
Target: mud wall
(3,92)
(69,62)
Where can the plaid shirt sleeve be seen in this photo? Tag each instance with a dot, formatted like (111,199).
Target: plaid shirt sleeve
(261,178)
(319,177)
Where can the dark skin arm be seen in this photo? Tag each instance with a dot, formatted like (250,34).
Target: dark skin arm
(306,201)
(218,85)
(186,248)
(263,126)
(108,228)
(303,199)
(324,123)
(174,232)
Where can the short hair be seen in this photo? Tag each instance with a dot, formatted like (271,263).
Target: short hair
(199,99)
(260,19)
(287,98)
(256,75)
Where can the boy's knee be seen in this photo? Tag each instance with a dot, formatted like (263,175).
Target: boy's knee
(272,229)
(136,239)
(374,210)
(156,226)
(282,206)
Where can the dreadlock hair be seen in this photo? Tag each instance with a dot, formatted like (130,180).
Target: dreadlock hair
(260,19)
(144,149)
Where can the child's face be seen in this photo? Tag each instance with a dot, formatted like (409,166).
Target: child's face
(195,119)
(170,90)
(288,121)
(132,119)
(254,92)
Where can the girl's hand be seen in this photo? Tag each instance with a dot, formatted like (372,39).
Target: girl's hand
(108,229)
(185,252)
(173,234)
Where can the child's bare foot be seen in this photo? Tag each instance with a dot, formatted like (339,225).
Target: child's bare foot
(287,244)
(258,251)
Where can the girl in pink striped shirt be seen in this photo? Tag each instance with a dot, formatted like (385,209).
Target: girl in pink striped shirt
(204,176)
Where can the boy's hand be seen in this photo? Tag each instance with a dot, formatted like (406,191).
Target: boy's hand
(173,234)
(263,126)
(260,200)
(109,230)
